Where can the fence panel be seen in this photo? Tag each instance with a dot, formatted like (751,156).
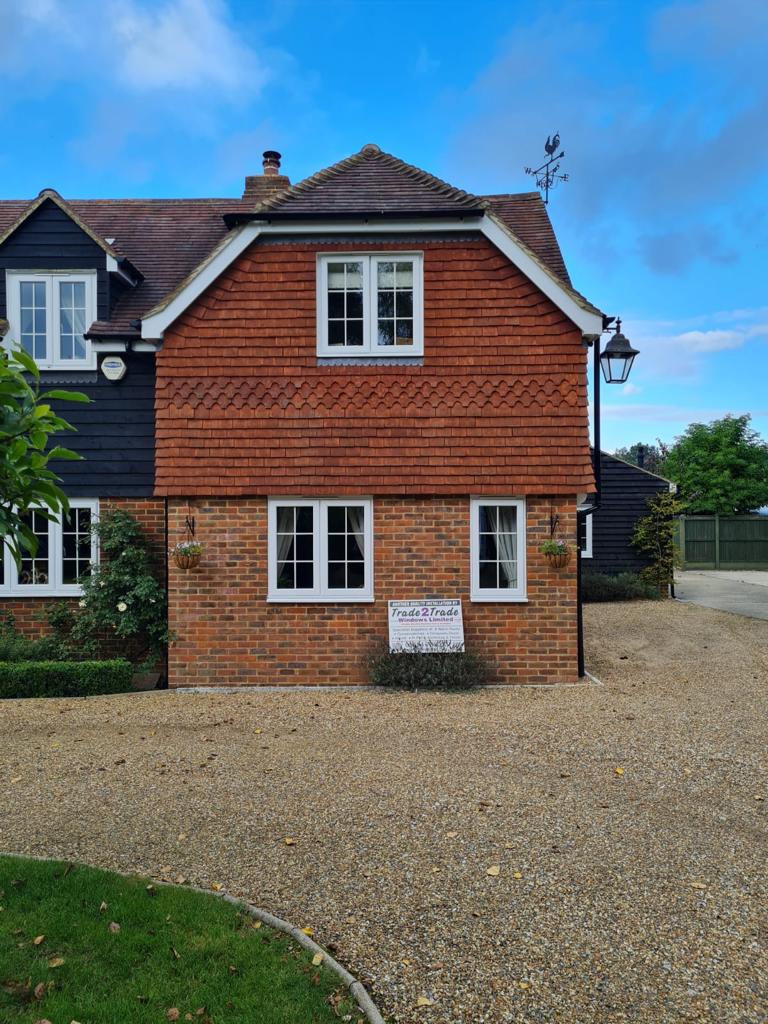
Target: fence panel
(724,542)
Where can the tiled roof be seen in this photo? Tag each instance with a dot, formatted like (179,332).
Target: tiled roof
(370,182)
(167,239)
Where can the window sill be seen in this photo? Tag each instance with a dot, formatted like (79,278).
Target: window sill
(491,599)
(40,593)
(396,359)
(321,599)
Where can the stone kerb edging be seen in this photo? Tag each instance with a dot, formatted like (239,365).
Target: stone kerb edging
(355,988)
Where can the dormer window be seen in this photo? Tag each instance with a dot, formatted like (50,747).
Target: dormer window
(370,304)
(48,316)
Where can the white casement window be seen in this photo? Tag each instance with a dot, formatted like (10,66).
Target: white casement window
(48,315)
(320,550)
(65,552)
(586,537)
(370,304)
(497,549)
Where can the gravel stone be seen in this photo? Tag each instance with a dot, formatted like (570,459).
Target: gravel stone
(636,897)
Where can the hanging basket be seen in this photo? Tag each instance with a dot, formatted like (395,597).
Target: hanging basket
(186,560)
(559,560)
(187,554)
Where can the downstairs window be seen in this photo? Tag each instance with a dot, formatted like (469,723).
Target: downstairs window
(320,550)
(65,553)
(497,548)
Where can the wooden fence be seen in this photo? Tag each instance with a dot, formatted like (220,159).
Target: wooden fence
(723,542)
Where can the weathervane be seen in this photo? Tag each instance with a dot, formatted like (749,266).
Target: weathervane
(546,176)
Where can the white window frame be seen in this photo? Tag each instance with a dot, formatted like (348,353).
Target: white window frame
(10,587)
(320,592)
(369,347)
(51,279)
(518,594)
(586,551)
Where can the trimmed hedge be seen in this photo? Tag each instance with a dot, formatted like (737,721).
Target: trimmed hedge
(64,678)
(624,586)
(427,670)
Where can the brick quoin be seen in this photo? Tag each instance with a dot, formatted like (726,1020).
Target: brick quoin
(227,633)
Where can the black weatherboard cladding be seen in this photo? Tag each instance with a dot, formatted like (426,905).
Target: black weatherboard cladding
(50,240)
(116,431)
(625,490)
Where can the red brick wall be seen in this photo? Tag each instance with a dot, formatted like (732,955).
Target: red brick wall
(150,512)
(227,634)
(499,404)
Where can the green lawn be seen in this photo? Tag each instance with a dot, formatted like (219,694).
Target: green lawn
(174,950)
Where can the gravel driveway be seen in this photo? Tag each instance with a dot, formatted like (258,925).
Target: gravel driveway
(628,822)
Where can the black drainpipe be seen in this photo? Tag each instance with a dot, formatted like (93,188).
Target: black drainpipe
(592,507)
(167,597)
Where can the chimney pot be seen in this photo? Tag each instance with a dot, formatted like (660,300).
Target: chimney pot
(271,161)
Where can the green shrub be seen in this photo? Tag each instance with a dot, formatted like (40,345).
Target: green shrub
(427,670)
(15,647)
(64,678)
(624,586)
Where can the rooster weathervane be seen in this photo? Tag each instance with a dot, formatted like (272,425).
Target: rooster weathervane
(547,175)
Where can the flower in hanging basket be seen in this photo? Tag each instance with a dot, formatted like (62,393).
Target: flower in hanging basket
(186,554)
(557,552)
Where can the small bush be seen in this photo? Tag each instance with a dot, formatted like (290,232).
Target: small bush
(64,678)
(624,586)
(427,670)
(15,647)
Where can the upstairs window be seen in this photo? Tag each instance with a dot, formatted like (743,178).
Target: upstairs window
(370,305)
(48,316)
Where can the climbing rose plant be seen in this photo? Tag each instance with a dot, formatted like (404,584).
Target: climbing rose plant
(122,598)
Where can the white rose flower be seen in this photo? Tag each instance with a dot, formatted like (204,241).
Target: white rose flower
(122,607)
(82,603)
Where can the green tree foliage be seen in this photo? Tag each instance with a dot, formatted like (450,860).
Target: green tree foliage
(650,456)
(654,535)
(720,467)
(27,423)
(123,599)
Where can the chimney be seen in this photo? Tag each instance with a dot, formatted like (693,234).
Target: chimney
(261,186)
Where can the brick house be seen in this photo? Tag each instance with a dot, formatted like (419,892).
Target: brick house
(369,386)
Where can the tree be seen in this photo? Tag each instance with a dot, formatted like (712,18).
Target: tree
(720,467)
(27,423)
(654,535)
(648,456)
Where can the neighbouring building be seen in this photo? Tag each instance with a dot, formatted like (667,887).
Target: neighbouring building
(606,541)
(368,386)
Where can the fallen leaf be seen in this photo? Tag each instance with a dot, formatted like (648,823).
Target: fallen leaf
(102,907)
(114,927)
(619,771)
(258,731)
(698,885)
(150,890)
(518,875)
(308,931)
(256,924)
(17,778)
(38,939)
(493,870)
(39,991)
(217,886)
(317,959)
(565,775)
(232,969)
(289,842)
(451,835)
(182,835)
(424,1001)
(56,961)
(524,984)
(172,1014)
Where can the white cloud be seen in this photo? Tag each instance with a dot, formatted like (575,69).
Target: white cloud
(184,44)
(139,46)
(631,389)
(679,348)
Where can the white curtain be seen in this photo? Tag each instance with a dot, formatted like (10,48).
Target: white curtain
(504,518)
(285,534)
(356,520)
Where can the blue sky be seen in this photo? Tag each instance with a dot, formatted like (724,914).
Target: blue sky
(662,108)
